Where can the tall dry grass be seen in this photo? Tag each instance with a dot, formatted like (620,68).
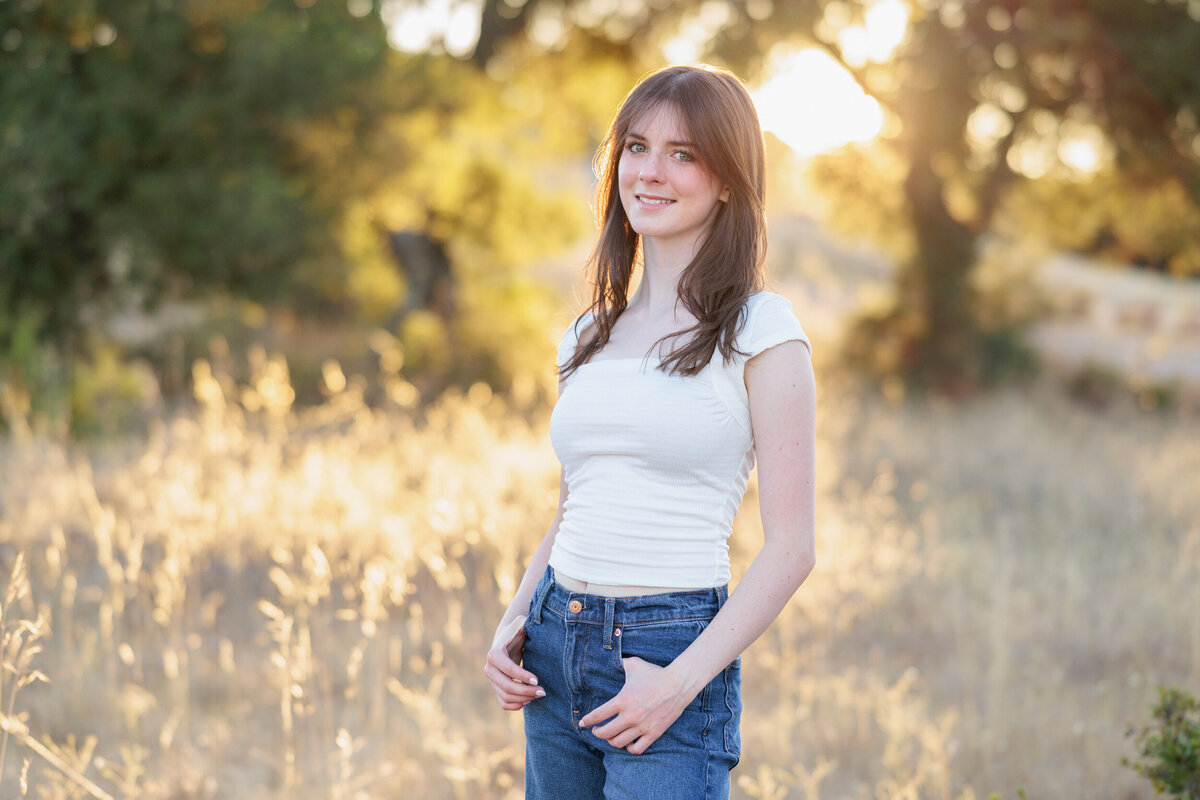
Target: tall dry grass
(259,601)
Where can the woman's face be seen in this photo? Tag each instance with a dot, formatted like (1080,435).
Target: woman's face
(668,196)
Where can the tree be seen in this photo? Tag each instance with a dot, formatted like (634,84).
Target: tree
(979,96)
(152,148)
(156,149)
(977,92)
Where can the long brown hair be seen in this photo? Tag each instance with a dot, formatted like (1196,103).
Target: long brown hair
(720,118)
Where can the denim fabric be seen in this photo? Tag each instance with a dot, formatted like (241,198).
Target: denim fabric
(576,651)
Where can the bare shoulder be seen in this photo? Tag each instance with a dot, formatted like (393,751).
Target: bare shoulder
(782,394)
(787,365)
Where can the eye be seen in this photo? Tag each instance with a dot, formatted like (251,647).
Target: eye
(635,147)
(684,156)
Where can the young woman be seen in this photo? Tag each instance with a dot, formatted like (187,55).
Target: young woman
(622,645)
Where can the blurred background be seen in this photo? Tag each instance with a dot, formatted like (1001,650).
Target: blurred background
(280,287)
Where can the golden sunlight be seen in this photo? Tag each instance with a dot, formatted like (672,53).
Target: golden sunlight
(810,101)
(812,104)
(885,24)
(415,28)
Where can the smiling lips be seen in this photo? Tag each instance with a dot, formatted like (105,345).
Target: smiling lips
(653,201)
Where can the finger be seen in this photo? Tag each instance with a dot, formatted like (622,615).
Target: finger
(620,724)
(522,691)
(508,687)
(519,693)
(517,699)
(623,738)
(500,661)
(601,713)
(504,680)
(515,695)
(640,746)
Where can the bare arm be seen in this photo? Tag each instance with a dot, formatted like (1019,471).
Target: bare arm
(782,393)
(515,686)
(537,565)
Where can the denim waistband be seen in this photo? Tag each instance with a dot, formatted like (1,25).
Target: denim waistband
(625,611)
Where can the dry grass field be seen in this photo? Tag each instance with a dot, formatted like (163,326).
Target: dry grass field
(256,601)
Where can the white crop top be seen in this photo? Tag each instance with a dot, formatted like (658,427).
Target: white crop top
(656,465)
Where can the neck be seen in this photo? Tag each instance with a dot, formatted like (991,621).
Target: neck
(662,266)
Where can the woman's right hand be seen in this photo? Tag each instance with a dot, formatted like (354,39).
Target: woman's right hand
(513,685)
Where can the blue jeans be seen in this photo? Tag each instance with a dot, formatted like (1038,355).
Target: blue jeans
(575,645)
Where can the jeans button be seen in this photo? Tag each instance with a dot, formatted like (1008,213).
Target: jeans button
(575,606)
(616,631)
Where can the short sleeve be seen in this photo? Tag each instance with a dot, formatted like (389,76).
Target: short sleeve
(771,321)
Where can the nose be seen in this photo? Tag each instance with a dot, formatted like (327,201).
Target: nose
(651,171)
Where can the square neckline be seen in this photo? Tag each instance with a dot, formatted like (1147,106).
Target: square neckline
(591,321)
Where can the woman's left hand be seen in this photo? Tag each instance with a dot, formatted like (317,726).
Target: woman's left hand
(651,700)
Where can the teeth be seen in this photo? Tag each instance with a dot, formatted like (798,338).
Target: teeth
(650,202)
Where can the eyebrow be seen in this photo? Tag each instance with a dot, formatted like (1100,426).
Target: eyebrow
(641,138)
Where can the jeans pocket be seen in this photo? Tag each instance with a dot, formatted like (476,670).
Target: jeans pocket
(657,643)
(733,707)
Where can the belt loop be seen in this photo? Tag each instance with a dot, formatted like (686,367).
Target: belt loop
(609,608)
(539,595)
(722,595)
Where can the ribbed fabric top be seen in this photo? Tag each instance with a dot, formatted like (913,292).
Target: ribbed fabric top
(656,465)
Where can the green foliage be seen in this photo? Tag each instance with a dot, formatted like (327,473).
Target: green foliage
(165,149)
(480,165)
(1003,354)
(507,334)
(100,391)
(151,148)
(503,336)
(110,394)
(1169,746)
(32,376)
(161,150)
(1148,222)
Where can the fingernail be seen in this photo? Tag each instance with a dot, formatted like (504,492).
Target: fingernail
(533,680)
(541,693)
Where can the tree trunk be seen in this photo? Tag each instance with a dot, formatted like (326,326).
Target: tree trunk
(943,351)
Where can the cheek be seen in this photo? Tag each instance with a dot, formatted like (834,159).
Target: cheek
(708,185)
(714,190)
(694,181)
(626,173)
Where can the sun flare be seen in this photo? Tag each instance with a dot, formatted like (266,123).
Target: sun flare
(812,104)
(810,101)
